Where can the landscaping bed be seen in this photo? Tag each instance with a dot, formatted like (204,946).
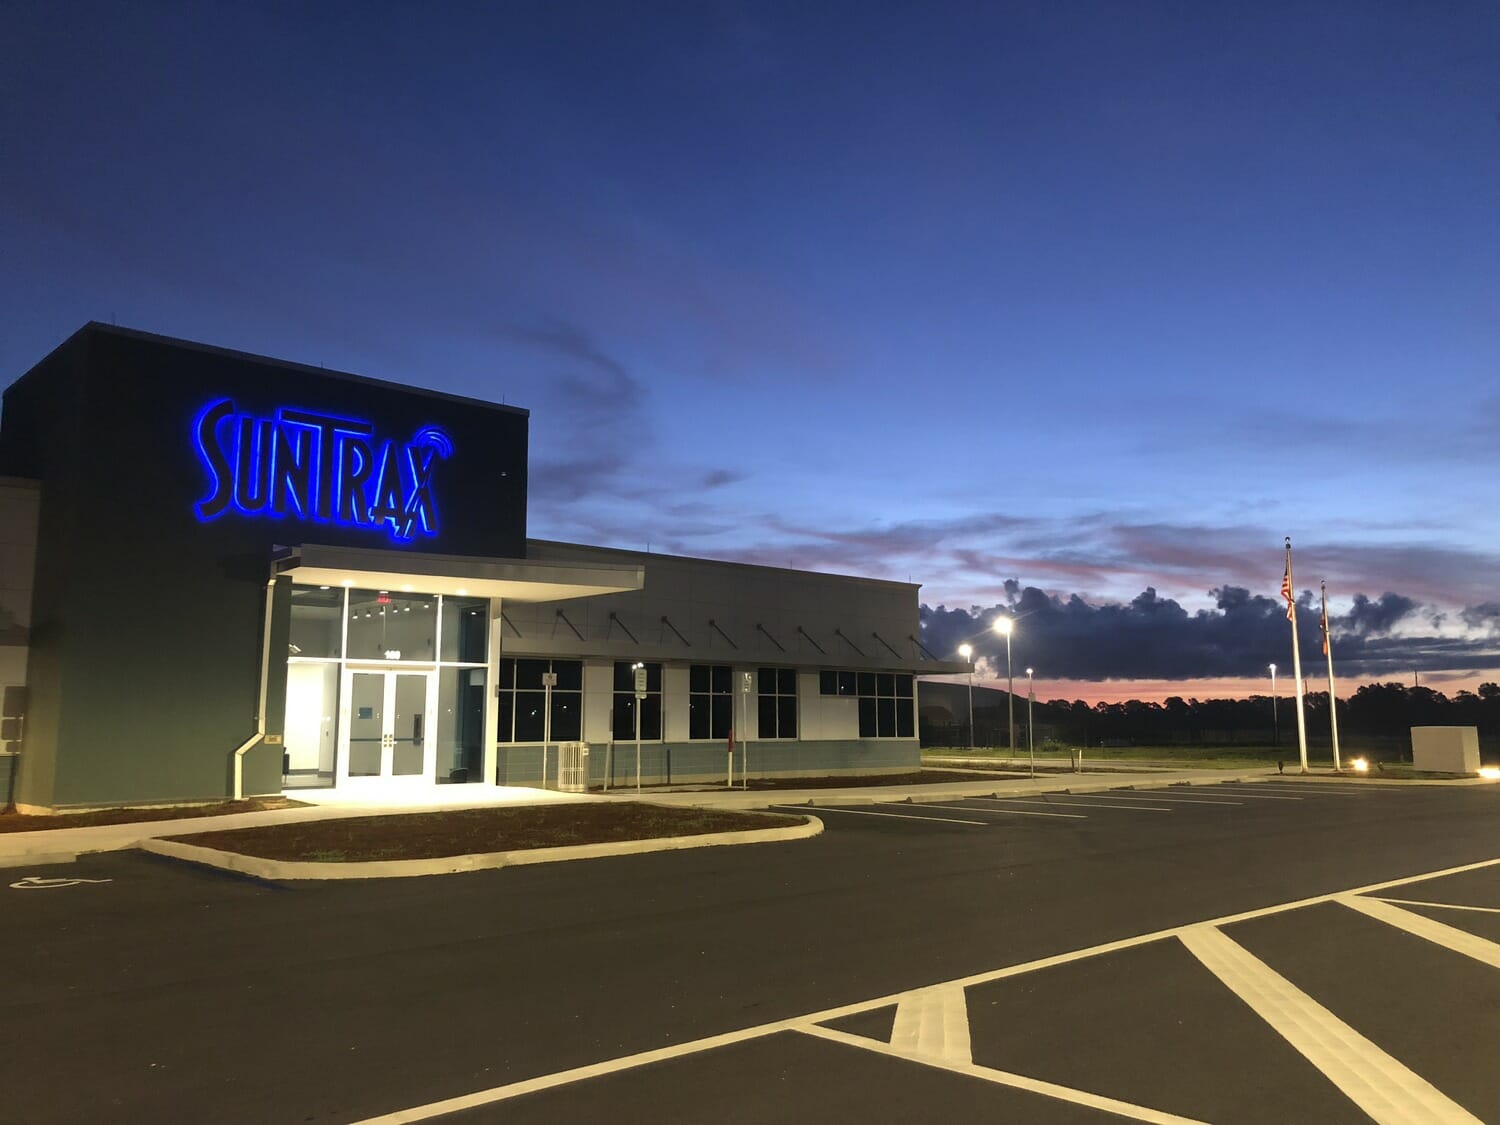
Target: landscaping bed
(12,821)
(458,832)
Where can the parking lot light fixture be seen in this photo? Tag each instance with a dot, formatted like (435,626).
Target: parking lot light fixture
(1030,737)
(1275,722)
(1005,627)
(967,652)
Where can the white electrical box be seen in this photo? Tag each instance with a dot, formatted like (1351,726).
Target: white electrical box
(1445,749)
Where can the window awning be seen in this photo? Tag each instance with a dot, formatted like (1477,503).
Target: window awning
(512,579)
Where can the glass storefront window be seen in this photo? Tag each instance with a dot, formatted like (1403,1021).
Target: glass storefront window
(523,700)
(317,622)
(391,730)
(390,625)
(312,707)
(625,702)
(465,629)
(460,730)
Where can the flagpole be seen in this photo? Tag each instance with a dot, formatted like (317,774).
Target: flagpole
(1333,699)
(1291,613)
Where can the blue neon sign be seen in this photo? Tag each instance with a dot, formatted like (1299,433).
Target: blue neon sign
(318,467)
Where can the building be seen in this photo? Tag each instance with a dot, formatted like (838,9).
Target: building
(225,574)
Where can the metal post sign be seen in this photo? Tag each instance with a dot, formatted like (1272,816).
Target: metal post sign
(640,682)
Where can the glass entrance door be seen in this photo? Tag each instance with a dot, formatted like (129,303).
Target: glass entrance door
(386,724)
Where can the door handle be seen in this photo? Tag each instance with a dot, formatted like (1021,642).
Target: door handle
(416,727)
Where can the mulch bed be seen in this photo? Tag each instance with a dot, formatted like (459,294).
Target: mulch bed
(12,821)
(471,831)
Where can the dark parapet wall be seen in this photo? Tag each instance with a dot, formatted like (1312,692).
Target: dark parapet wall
(154,547)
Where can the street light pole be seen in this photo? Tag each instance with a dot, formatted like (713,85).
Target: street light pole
(967,651)
(1003,626)
(1275,722)
(1030,730)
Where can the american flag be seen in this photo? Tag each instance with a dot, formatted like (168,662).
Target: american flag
(1325,626)
(1286,590)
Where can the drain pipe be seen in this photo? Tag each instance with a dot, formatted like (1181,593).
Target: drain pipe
(260,715)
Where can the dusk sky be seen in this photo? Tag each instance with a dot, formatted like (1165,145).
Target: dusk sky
(1041,305)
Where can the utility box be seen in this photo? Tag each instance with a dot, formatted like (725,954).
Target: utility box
(1445,749)
(573,767)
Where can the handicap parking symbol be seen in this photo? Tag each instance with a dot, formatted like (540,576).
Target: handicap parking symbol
(39,883)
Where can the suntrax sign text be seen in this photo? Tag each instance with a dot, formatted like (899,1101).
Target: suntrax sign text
(319,467)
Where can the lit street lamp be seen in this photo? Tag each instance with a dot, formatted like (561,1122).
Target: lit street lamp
(967,652)
(1003,626)
(1275,722)
(1030,738)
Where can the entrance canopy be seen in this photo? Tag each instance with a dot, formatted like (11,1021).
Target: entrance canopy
(457,575)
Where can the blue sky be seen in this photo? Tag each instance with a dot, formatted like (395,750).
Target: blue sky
(1086,297)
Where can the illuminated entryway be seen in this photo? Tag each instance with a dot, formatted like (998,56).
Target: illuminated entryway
(387,726)
(391,659)
(384,685)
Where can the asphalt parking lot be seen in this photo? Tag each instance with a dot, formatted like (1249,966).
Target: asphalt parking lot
(1160,1030)
(1107,961)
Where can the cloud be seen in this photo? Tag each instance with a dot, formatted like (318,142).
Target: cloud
(1486,616)
(1155,637)
(571,479)
(1380,616)
(718,478)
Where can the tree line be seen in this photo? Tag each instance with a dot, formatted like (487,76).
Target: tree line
(1374,715)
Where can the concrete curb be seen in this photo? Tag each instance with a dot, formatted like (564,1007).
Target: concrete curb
(876,795)
(275,869)
(40,859)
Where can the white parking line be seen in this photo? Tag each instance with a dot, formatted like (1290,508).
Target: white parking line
(1079,804)
(1005,1078)
(1441,905)
(1154,797)
(1372,1079)
(1312,789)
(869,812)
(505,1092)
(1324,786)
(934,1024)
(1006,812)
(1253,796)
(1429,929)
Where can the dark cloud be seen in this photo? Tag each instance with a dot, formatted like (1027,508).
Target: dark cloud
(572,479)
(1152,637)
(718,478)
(1375,617)
(1486,615)
(591,386)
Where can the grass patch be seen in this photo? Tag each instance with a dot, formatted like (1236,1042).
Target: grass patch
(1100,757)
(472,831)
(12,821)
(1387,771)
(862,781)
